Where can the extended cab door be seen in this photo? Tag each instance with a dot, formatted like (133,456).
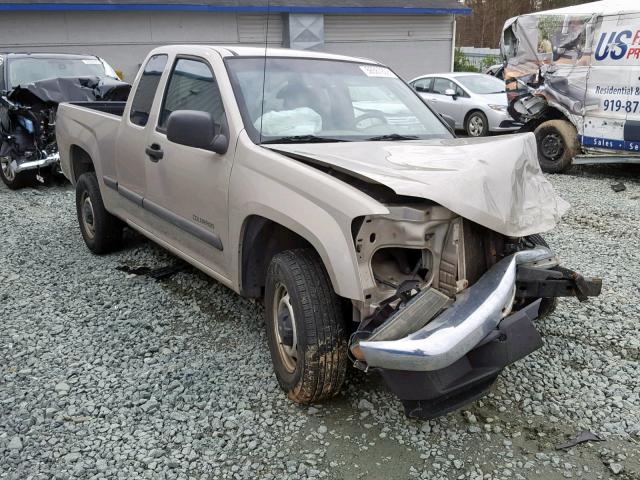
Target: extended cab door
(131,160)
(187,188)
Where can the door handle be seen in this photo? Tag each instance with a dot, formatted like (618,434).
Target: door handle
(154,151)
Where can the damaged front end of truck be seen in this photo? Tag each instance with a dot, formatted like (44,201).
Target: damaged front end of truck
(456,273)
(28,148)
(451,307)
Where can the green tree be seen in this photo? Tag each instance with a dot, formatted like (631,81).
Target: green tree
(484,26)
(461,63)
(488,62)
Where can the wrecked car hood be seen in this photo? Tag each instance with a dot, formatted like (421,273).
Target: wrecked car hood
(495,182)
(70,89)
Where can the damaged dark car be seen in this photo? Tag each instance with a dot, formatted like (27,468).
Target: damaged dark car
(31,87)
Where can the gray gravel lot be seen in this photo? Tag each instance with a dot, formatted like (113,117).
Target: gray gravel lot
(106,374)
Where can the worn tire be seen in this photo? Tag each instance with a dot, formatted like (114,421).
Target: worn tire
(557,142)
(473,131)
(320,367)
(106,234)
(19,180)
(547,305)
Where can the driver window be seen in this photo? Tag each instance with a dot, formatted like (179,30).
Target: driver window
(441,85)
(192,86)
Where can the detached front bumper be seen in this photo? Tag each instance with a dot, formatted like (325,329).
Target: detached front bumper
(454,358)
(477,311)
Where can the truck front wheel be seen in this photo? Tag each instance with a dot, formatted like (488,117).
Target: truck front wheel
(305,327)
(557,145)
(101,231)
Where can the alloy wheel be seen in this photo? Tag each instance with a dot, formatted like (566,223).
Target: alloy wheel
(476,126)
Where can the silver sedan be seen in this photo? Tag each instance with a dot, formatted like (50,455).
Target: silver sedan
(477,102)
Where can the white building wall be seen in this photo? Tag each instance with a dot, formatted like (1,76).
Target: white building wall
(411,45)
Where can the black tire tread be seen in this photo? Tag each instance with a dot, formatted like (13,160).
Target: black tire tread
(569,135)
(109,228)
(22,180)
(325,355)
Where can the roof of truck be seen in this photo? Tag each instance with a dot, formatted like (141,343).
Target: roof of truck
(233,51)
(603,7)
(230,51)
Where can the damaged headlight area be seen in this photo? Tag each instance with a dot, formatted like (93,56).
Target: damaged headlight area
(449,303)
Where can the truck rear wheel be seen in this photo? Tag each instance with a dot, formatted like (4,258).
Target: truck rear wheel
(305,327)
(101,231)
(557,145)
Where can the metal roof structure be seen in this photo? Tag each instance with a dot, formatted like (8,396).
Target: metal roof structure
(336,7)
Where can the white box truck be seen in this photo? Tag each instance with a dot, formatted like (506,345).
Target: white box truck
(584,64)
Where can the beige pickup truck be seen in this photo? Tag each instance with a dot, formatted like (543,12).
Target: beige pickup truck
(325,186)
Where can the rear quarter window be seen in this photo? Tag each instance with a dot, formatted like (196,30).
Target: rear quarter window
(146,91)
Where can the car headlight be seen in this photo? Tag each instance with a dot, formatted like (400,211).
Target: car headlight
(498,108)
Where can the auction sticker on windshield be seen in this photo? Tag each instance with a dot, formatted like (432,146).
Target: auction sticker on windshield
(376,71)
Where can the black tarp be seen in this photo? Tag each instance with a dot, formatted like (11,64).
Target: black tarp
(75,89)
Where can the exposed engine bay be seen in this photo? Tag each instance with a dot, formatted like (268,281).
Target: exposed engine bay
(28,118)
(438,288)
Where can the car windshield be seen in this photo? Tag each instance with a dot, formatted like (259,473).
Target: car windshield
(482,84)
(312,100)
(23,71)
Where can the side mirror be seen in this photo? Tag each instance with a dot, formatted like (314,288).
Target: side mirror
(450,92)
(196,129)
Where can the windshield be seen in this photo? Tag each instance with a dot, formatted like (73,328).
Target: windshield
(22,71)
(482,84)
(313,99)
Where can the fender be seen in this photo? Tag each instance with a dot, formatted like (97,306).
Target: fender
(314,205)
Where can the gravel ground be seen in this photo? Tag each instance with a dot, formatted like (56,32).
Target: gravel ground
(106,374)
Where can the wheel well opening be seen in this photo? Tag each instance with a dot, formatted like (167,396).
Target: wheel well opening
(262,239)
(550,113)
(471,112)
(80,162)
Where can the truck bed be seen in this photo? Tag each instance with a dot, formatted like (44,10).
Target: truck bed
(114,108)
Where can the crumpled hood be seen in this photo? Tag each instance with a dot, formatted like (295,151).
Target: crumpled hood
(495,182)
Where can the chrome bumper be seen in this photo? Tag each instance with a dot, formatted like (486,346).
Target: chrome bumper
(476,312)
(34,164)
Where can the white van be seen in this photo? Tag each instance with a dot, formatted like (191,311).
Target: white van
(584,62)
